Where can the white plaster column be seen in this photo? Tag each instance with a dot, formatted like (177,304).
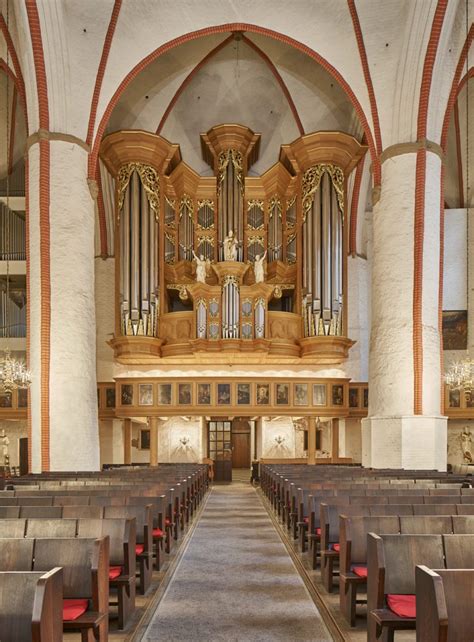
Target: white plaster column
(69,255)
(392,435)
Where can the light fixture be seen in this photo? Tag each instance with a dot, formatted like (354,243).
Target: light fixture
(280,440)
(460,375)
(13,373)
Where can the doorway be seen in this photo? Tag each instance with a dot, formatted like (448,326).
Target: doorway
(241,443)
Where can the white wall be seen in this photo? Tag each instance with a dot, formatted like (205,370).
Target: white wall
(171,450)
(293,443)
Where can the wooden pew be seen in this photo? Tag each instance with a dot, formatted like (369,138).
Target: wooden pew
(144,538)
(85,565)
(50,528)
(31,606)
(12,528)
(82,512)
(444,601)
(353,556)
(391,574)
(122,571)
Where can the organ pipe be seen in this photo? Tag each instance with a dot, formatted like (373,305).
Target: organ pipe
(322,250)
(139,197)
(12,235)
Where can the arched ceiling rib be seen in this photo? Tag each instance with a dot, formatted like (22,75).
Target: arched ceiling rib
(237,84)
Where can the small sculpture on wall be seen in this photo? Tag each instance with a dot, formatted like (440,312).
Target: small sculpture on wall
(230,247)
(5,442)
(202,266)
(466,445)
(258,267)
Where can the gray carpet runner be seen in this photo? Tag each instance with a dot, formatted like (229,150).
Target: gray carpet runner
(236,581)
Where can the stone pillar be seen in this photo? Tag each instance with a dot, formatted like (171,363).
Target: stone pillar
(395,434)
(311,440)
(127,441)
(64,417)
(153,424)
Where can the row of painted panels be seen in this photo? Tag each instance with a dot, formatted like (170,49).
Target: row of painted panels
(235,393)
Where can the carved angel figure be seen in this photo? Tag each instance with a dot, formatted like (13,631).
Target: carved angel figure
(466,444)
(5,442)
(258,268)
(202,266)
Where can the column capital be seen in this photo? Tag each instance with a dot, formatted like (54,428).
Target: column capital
(412,148)
(45,134)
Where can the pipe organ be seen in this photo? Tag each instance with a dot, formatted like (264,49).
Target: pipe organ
(231,266)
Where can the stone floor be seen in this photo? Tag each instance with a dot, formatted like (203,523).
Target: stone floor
(235,580)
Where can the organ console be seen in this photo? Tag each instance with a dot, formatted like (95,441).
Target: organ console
(168,218)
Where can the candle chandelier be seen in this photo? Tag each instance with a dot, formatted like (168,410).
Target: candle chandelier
(13,373)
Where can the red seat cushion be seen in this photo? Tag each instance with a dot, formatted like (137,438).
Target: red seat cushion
(167,522)
(317,531)
(114,572)
(361,571)
(336,547)
(402,605)
(72,609)
(139,548)
(157,532)
(305,520)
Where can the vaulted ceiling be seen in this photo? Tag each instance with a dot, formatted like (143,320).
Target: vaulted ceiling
(247,79)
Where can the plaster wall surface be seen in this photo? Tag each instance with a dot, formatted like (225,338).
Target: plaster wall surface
(170,447)
(73,329)
(391,340)
(281,428)
(358,294)
(105,316)
(404,442)
(350,439)
(35,308)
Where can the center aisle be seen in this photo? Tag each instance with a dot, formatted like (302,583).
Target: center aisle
(236,581)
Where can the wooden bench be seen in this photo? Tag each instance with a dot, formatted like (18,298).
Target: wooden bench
(31,605)
(85,564)
(444,601)
(391,562)
(353,556)
(144,538)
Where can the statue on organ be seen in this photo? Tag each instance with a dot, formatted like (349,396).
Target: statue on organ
(258,267)
(230,247)
(202,265)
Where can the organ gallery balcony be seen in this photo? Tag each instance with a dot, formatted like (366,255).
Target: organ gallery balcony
(231,268)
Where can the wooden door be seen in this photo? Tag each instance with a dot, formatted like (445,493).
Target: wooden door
(241,450)
(240,443)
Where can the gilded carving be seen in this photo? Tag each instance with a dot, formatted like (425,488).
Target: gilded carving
(149,179)
(311,180)
(236,158)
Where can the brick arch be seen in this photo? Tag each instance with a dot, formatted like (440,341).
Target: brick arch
(231,27)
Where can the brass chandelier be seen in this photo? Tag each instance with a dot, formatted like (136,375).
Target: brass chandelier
(13,373)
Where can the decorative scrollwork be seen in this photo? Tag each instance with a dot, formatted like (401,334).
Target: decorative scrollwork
(186,205)
(275,206)
(236,158)
(206,203)
(251,240)
(149,179)
(311,180)
(255,202)
(183,292)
